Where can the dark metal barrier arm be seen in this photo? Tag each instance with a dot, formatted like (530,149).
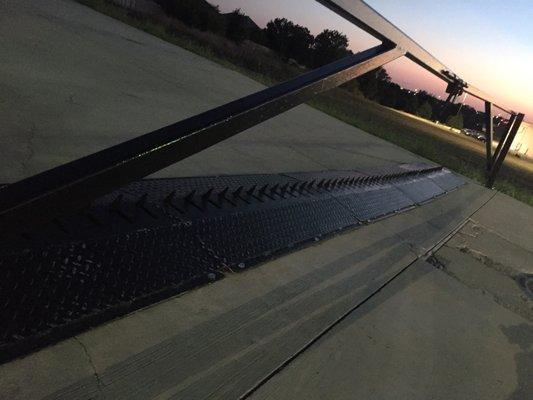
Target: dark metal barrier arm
(73,185)
(69,187)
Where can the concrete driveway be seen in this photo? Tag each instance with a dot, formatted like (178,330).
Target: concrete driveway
(425,304)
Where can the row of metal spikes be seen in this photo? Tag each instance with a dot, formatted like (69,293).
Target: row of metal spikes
(269,191)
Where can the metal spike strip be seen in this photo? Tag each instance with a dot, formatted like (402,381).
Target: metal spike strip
(189,199)
(117,206)
(222,196)
(144,205)
(134,262)
(170,200)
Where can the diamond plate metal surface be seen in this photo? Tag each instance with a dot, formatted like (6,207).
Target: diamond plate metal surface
(158,237)
(374,201)
(446,180)
(264,232)
(419,190)
(50,288)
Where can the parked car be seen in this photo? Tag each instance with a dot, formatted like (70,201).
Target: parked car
(475,134)
(481,136)
(468,132)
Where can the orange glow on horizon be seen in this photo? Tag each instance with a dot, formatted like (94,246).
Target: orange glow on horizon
(475,43)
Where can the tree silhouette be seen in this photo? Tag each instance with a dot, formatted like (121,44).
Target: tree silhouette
(289,40)
(236,26)
(425,111)
(195,13)
(292,41)
(374,82)
(407,102)
(329,45)
(388,93)
(455,121)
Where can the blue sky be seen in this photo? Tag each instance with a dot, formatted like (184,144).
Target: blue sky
(488,43)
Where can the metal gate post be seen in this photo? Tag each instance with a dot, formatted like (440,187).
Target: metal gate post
(504,137)
(505,149)
(488,136)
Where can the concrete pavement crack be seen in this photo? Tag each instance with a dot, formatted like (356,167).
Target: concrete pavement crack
(99,382)
(486,228)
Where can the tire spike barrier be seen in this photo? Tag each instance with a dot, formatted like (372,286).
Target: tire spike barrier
(118,207)
(145,205)
(158,237)
(222,196)
(237,192)
(169,200)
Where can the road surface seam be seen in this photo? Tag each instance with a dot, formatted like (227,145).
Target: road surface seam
(428,253)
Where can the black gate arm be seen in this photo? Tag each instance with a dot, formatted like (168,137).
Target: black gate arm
(69,187)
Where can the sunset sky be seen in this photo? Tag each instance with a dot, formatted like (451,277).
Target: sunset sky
(488,43)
